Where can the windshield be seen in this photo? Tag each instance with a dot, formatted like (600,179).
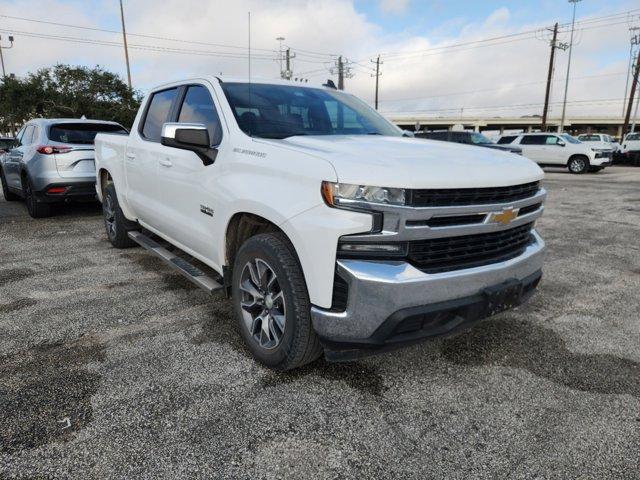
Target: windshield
(479,139)
(633,136)
(81,133)
(6,143)
(569,138)
(281,111)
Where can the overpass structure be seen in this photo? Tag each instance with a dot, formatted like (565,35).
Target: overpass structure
(574,125)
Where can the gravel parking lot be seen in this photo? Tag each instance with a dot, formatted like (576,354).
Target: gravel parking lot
(113,366)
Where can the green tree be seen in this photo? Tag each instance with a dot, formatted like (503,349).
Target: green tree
(70,92)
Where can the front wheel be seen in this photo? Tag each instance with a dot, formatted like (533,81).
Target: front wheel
(578,164)
(272,303)
(115,222)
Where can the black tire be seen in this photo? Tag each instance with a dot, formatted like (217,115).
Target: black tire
(9,196)
(298,343)
(578,164)
(35,208)
(115,223)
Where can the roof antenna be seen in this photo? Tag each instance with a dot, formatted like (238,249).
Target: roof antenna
(249,56)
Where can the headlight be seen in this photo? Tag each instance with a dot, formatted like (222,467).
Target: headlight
(336,193)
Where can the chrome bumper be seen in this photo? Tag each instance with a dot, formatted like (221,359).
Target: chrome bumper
(378,289)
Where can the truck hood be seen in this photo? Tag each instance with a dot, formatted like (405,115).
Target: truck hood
(416,163)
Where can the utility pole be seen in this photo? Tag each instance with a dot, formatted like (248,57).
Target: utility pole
(634,40)
(377,75)
(340,73)
(566,81)
(549,77)
(126,49)
(280,40)
(634,84)
(4,73)
(288,73)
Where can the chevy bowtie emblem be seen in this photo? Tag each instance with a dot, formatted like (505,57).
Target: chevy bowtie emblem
(504,217)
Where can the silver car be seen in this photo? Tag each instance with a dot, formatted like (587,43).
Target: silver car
(52,161)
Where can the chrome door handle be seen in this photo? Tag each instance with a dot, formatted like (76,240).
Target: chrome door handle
(166,163)
(131,156)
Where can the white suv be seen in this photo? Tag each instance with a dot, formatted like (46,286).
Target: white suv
(600,141)
(550,149)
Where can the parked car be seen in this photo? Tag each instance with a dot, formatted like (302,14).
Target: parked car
(550,149)
(6,143)
(52,161)
(330,230)
(600,142)
(631,143)
(468,138)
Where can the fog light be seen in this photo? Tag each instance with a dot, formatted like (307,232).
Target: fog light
(55,190)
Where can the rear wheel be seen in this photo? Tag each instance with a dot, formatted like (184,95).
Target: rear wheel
(578,164)
(116,224)
(9,196)
(35,208)
(272,303)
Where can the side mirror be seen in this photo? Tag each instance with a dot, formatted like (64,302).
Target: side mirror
(408,133)
(189,136)
(561,143)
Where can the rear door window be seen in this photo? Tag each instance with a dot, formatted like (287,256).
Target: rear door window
(27,137)
(534,140)
(81,133)
(507,139)
(158,113)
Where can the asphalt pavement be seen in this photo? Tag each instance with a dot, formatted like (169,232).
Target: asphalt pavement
(113,366)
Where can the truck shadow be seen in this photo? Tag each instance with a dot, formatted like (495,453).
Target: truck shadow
(521,344)
(45,393)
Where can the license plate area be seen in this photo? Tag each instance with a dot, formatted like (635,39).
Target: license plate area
(503,297)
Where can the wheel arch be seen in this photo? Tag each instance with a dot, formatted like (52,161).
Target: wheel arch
(241,227)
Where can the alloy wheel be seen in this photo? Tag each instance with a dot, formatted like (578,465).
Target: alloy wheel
(577,165)
(109,216)
(262,303)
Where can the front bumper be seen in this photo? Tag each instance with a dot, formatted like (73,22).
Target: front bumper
(385,294)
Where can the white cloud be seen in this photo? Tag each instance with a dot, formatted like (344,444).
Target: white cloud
(505,74)
(397,7)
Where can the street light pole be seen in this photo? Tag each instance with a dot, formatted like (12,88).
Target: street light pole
(566,82)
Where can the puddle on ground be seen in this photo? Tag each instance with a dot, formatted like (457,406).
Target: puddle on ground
(45,394)
(357,376)
(520,344)
(16,305)
(14,275)
(172,281)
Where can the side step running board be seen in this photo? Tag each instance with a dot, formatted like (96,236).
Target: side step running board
(191,272)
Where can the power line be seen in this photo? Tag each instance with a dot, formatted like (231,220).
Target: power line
(498,87)
(527,34)
(138,46)
(155,37)
(603,101)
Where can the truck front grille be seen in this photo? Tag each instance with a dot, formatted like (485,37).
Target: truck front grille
(448,197)
(467,251)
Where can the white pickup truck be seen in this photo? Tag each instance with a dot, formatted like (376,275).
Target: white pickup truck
(330,230)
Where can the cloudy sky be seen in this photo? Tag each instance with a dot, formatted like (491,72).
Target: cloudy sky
(435,55)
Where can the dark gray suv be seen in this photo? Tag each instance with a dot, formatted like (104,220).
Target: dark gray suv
(52,161)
